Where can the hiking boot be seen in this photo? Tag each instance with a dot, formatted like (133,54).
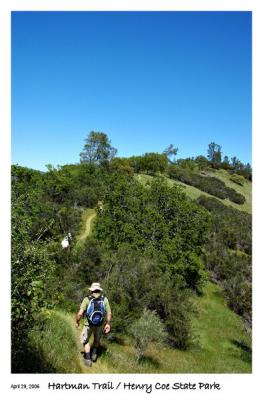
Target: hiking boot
(87,362)
(94,355)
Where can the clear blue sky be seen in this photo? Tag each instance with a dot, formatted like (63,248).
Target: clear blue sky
(147,79)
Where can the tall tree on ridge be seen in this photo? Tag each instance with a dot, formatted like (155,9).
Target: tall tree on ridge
(214,154)
(171,151)
(97,149)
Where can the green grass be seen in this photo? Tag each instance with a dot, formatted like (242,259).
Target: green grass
(55,344)
(245,190)
(194,193)
(221,345)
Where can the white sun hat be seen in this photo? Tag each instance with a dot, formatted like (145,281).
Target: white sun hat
(95,286)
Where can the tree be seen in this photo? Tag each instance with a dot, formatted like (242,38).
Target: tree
(201,162)
(149,163)
(153,163)
(186,163)
(214,154)
(171,151)
(235,162)
(225,164)
(97,149)
(121,165)
(158,220)
(248,172)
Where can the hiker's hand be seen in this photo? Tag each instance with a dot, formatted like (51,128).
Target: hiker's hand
(107,328)
(77,325)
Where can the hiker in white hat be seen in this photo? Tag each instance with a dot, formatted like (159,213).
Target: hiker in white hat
(95,307)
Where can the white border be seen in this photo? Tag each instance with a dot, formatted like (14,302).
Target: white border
(241,386)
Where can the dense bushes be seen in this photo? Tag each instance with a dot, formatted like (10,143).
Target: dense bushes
(158,223)
(232,227)
(228,254)
(39,221)
(238,179)
(147,247)
(134,282)
(121,165)
(146,250)
(207,184)
(32,286)
(158,220)
(74,185)
(149,163)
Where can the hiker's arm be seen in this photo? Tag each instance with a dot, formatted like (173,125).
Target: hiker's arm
(82,309)
(78,317)
(107,326)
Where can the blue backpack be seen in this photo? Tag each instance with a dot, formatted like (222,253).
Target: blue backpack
(95,310)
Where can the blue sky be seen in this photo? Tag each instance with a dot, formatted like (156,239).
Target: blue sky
(147,79)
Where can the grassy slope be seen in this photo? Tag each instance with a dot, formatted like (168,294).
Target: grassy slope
(222,346)
(194,193)
(55,345)
(245,190)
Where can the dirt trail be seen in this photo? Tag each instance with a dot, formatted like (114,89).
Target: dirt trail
(98,366)
(92,214)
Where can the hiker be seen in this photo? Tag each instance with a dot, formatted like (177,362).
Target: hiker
(95,306)
(66,241)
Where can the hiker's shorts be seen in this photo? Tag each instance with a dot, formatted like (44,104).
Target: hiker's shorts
(87,332)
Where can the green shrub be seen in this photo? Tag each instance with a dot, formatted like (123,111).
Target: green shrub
(231,226)
(121,165)
(147,329)
(159,221)
(208,184)
(133,282)
(238,179)
(228,254)
(238,291)
(31,290)
(150,163)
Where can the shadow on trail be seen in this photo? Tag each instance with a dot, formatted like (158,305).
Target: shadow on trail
(100,351)
(116,339)
(150,361)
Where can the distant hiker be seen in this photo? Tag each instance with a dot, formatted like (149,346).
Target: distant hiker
(100,205)
(66,241)
(95,306)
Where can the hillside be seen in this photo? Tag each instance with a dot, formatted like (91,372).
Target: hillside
(151,249)
(221,346)
(194,193)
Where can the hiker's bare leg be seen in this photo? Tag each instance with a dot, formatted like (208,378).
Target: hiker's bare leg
(87,348)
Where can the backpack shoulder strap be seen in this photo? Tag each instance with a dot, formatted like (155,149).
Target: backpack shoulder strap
(89,300)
